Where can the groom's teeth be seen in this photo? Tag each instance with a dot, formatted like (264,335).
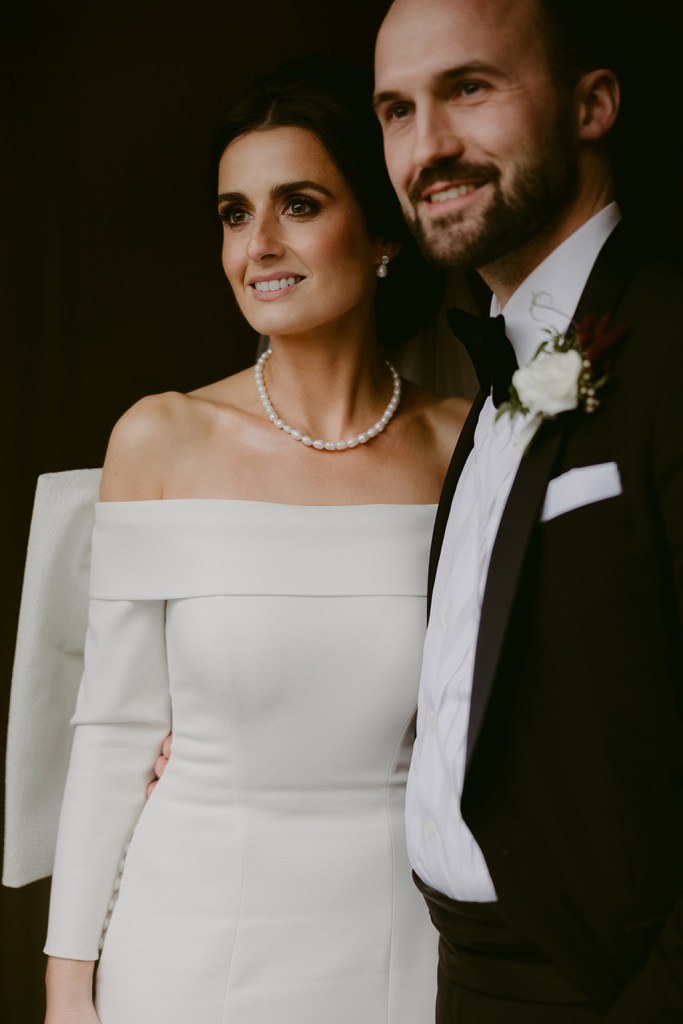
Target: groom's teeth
(276,285)
(451,193)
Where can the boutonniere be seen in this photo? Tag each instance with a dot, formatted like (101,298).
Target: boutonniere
(567,372)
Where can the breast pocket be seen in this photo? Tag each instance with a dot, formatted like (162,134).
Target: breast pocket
(576,488)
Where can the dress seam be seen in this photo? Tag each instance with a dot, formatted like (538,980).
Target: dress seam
(387,792)
(240,826)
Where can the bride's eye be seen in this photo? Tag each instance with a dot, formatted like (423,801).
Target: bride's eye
(233,216)
(301,206)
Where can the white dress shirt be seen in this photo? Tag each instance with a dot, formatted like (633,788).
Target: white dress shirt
(442,850)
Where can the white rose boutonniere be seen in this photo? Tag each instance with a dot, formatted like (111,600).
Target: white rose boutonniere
(566,373)
(551,385)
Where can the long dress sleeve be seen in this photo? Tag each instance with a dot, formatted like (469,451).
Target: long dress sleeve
(121,719)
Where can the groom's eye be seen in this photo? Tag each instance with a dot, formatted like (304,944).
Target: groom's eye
(469,88)
(397,111)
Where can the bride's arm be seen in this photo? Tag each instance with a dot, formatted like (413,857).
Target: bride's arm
(122,718)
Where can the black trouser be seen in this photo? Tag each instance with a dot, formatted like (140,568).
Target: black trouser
(489,974)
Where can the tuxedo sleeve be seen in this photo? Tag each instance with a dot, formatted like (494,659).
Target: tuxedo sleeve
(655,994)
(122,717)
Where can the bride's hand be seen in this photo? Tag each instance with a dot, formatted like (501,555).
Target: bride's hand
(161,762)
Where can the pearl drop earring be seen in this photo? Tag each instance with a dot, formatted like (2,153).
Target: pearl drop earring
(383,268)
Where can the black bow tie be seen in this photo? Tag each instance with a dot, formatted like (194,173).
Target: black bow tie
(489,348)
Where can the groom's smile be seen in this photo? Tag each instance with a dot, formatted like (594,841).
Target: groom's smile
(442,195)
(443,198)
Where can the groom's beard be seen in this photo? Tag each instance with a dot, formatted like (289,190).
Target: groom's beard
(537,194)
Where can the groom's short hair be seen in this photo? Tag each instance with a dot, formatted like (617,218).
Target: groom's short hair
(582,35)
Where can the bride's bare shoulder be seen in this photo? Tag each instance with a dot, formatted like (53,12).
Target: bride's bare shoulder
(444,415)
(437,423)
(157,430)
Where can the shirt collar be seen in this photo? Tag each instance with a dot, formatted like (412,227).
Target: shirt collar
(548,297)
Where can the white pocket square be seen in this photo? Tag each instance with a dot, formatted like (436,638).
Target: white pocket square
(580,487)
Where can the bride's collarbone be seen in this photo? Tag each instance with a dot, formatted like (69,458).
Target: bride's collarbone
(307,477)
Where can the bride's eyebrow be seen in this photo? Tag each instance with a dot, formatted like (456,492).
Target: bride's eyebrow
(231,197)
(278,191)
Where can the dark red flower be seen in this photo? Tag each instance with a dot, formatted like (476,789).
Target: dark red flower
(597,337)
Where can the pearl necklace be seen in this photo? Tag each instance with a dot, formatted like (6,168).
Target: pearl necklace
(318,443)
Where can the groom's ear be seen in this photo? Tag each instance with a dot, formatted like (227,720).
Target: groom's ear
(599,97)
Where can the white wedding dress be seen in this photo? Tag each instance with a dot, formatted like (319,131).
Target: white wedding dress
(266,880)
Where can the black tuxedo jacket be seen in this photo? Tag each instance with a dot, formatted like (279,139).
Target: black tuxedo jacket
(574,780)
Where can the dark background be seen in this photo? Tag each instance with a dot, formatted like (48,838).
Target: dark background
(110,280)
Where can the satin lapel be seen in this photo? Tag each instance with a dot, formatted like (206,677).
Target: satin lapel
(507,559)
(604,287)
(614,268)
(457,464)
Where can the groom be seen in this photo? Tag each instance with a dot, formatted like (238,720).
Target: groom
(545,799)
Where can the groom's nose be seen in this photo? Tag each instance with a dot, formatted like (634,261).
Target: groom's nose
(437,135)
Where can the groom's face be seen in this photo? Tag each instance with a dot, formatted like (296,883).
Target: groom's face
(479,140)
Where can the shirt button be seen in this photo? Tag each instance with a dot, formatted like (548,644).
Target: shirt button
(446,615)
(430,828)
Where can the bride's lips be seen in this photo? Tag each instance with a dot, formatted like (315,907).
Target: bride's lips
(449,195)
(268,287)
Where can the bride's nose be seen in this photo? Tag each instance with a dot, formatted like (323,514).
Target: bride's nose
(264,237)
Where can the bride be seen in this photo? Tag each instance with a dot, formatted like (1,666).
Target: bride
(258,584)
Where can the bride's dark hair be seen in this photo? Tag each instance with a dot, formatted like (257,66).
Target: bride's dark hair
(333,102)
